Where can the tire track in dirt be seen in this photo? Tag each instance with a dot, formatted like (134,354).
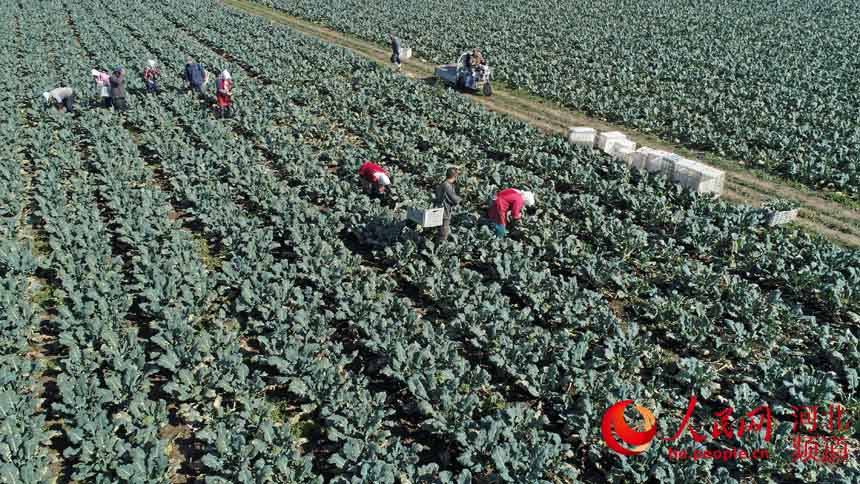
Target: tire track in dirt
(819,214)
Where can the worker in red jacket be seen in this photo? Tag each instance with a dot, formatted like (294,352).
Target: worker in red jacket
(374,178)
(512,200)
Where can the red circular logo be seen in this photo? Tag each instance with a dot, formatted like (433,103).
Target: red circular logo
(613,419)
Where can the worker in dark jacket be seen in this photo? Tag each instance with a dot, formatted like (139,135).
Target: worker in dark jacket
(117,89)
(395,51)
(447,198)
(509,200)
(61,98)
(194,75)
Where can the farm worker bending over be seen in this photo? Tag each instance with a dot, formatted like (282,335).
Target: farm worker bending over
(150,76)
(447,198)
(117,89)
(61,98)
(511,200)
(224,89)
(195,75)
(374,178)
(395,50)
(102,83)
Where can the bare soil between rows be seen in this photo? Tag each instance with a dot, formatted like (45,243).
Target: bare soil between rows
(818,214)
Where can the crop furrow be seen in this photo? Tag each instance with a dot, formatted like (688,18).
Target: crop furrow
(405,290)
(598,240)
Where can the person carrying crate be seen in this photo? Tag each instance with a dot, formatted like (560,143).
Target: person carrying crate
(101,80)
(374,179)
(508,200)
(395,51)
(447,198)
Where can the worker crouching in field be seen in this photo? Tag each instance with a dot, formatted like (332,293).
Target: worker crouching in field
(117,89)
(61,98)
(374,179)
(223,93)
(150,76)
(447,198)
(509,200)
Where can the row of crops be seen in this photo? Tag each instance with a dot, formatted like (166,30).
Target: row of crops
(771,84)
(190,299)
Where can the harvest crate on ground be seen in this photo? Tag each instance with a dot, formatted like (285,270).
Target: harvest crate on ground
(428,218)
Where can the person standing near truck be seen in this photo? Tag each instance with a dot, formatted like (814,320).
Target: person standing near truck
(447,198)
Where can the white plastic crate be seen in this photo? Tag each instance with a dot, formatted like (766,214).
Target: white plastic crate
(625,155)
(601,139)
(431,217)
(710,184)
(696,177)
(673,163)
(652,160)
(714,180)
(784,217)
(613,145)
(680,170)
(581,135)
(710,180)
(640,157)
(405,54)
(654,164)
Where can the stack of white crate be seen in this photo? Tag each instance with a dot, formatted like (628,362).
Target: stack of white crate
(582,136)
(649,159)
(603,140)
(690,174)
(616,145)
(621,149)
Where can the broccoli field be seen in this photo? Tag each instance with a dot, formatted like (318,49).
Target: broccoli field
(772,84)
(190,299)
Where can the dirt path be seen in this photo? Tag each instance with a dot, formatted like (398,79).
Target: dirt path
(819,214)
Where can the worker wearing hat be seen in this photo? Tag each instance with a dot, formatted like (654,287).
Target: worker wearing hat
(61,98)
(446,198)
(508,200)
(374,178)
(150,76)
(117,89)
